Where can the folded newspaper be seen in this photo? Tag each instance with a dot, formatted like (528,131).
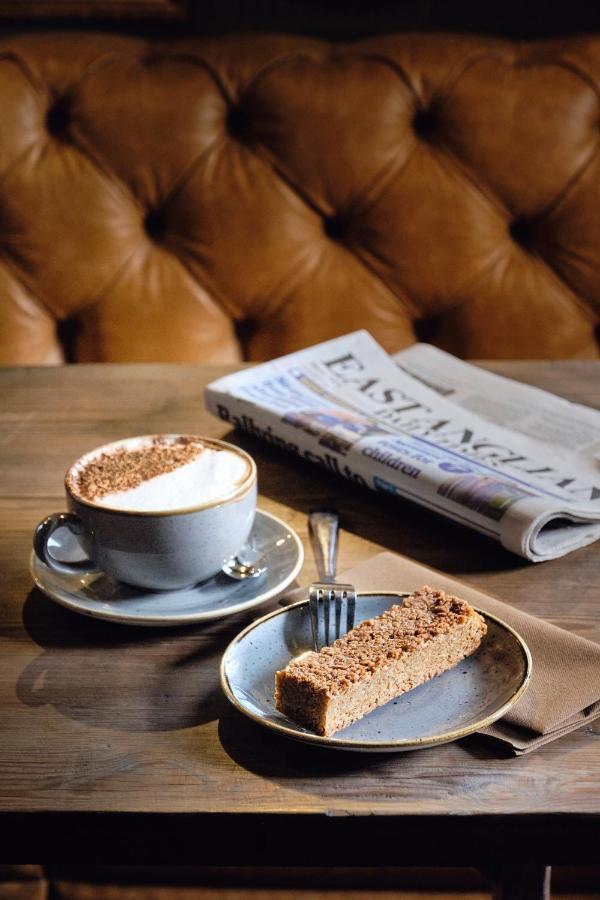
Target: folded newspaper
(514,462)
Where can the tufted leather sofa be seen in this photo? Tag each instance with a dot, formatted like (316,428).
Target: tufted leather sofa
(241,197)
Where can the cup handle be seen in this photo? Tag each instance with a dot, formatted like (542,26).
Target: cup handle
(44,532)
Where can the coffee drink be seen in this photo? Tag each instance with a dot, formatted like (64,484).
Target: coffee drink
(161,473)
(160,511)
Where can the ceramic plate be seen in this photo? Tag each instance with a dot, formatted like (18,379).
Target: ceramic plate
(464,699)
(98,595)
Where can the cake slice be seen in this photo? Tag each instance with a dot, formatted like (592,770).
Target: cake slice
(378,660)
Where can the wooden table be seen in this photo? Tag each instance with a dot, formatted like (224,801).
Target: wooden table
(116,743)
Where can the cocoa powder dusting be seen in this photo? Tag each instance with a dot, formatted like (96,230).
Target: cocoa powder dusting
(376,642)
(123,469)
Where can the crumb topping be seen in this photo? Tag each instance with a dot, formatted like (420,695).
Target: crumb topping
(376,642)
(125,468)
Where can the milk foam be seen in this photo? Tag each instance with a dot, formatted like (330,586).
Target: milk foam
(211,475)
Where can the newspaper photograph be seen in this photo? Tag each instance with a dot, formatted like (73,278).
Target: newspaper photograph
(509,460)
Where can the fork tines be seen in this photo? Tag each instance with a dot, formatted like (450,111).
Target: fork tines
(321,596)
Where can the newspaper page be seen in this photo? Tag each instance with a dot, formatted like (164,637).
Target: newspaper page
(511,461)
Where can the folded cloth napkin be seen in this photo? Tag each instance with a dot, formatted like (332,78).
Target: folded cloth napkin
(564,692)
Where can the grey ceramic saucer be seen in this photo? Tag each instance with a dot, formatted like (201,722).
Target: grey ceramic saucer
(460,701)
(97,595)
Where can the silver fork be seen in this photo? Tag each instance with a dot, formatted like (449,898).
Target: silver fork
(323,527)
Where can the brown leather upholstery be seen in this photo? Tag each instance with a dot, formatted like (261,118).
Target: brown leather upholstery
(214,199)
(23,883)
(272,883)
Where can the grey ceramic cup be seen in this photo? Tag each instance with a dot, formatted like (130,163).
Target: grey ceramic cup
(155,550)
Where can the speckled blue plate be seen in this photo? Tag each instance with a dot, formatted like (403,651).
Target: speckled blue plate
(462,700)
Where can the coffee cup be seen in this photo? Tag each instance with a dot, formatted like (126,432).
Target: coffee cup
(161,512)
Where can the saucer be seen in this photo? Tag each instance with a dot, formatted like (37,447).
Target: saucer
(464,699)
(102,597)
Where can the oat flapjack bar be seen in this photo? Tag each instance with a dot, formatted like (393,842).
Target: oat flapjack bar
(378,660)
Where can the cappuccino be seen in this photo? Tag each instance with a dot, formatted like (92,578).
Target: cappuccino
(159,473)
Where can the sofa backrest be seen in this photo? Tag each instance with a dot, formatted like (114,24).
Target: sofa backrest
(241,197)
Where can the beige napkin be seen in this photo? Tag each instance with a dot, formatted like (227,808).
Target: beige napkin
(564,692)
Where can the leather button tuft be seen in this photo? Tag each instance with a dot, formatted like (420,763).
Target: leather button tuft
(155,224)
(152,58)
(424,122)
(237,123)
(334,227)
(426,330)
(521,231)
(58,119)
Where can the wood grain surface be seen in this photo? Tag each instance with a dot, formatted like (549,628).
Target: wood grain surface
(106,719)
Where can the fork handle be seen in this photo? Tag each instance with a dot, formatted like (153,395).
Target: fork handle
(323,526)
